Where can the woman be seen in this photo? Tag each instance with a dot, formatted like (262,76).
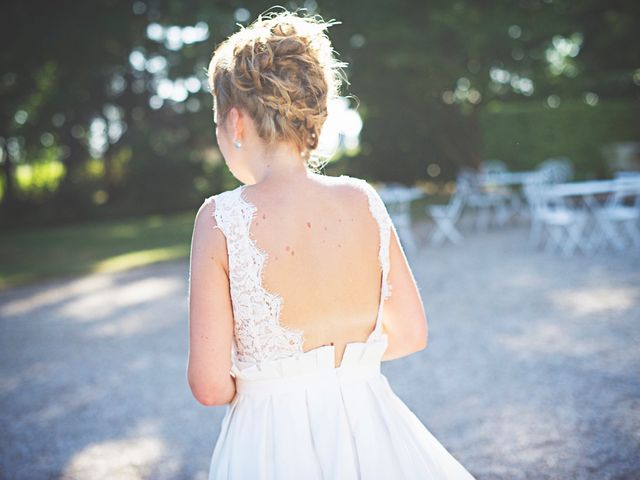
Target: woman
(290,304)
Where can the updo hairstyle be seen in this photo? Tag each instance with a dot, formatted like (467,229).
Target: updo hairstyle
(281,70)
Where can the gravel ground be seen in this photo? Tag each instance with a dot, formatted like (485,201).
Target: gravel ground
(531,370)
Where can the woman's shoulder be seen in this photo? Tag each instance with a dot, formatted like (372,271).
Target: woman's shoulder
(348,180)
(351,186)
(363,185)
(223,195)
(217,210)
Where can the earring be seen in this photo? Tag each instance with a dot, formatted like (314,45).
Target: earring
(237,143)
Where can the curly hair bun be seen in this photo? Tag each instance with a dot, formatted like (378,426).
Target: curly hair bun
(281,69)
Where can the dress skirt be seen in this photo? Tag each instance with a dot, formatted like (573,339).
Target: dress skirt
(303,418)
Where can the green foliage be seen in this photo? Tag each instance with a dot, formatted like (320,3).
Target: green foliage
(40,179)
(526,133)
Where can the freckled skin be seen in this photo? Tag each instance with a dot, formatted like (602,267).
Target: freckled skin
(287,248)
(264,216)
(340,245)
(309,224)
(293,252)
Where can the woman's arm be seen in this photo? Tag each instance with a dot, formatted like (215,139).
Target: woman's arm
(210,313)
(403,316)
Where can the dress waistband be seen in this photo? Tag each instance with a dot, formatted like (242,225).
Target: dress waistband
(337,375)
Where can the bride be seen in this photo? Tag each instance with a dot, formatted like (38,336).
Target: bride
(298,286)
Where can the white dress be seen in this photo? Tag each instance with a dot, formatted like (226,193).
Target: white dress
(297,416)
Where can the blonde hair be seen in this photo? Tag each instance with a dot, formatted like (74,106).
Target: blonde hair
(281,69)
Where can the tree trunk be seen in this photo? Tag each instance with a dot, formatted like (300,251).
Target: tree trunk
(9,194)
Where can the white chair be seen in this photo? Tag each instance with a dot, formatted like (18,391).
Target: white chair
(504,201)
(489,202)
(563,224)
(618,218)
(548,172)
(557,169)
(446,216)
(512,206)
(493,166)
(531,190)
(397,199)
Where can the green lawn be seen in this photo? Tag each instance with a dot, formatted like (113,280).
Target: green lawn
(30,255)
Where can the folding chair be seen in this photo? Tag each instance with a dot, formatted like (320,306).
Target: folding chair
(557,169)
(504,201)
(446,216)
(399,207)
(622,209)
(563,224)
(491,203)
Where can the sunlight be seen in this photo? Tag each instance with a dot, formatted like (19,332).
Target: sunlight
(80,300)
(141,257)
(124,459)
(548,338)
(560,53)
(175,37)
(596,301)
(52,295)
(341,130)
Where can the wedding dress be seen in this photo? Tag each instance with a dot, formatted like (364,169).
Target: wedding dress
(295,415)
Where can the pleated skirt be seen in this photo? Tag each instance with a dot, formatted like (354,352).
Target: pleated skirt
(303,418)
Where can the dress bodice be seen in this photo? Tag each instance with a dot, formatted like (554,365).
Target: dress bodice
(258,335)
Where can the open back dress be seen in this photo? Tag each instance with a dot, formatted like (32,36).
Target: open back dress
(295,414)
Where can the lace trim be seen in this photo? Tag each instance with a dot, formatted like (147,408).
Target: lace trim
(381,215)
(294,337)
(257,331)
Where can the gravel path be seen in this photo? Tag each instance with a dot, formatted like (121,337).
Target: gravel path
(531,370)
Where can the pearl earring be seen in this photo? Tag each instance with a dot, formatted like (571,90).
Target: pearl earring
(237,143)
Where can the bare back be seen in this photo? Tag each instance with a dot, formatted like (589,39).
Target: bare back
(322,245)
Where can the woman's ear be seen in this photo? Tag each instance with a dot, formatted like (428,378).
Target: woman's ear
(236,122)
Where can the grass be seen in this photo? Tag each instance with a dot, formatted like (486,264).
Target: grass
(30,255)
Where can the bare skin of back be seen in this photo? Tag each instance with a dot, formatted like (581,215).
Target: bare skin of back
(322,243)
